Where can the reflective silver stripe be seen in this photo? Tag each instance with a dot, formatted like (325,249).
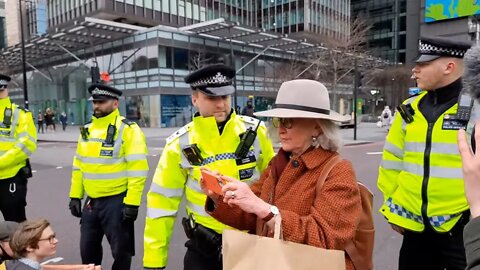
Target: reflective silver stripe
(167,192)
(75,168)
(117,145)
(16,115)
(25,134)
(103,176)
(184,141)
(435,171)
(158,213)
(137,173)
(24,149)
(437,148)
(197,209)
(395,150)
(104,161)
(7,139)
(95,140)
(193,185)
(392,165)
(135,157)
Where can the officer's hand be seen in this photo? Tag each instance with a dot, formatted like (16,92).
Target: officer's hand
(130,212)
(398,229)
(75,207)
(471,169)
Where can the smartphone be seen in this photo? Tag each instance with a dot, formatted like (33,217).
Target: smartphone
(213,182)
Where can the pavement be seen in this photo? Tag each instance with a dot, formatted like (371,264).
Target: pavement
(366,133)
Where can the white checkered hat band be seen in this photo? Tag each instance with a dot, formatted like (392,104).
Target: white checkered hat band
(425,48)
(218,80)
(3,82)
(100,92)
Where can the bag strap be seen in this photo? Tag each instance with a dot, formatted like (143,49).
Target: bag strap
(329,164)
(350,247)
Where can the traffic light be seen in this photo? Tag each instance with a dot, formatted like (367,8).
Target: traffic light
(358,79)
(95,74)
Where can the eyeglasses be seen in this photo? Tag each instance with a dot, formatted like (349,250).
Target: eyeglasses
(285,122)
(50,239)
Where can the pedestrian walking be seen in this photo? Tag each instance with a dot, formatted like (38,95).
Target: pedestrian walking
(63,120)
(40,119)
(18,140)
(248,110)
(420,174)
(211,140)
(310,139)
(50,120)
(110,167)
(386,117)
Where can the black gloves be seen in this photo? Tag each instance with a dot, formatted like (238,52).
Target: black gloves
(130,212)
(75,207)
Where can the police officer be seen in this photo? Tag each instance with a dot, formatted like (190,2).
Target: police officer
(18,140)
(111,167)
(210,140)
(420,174)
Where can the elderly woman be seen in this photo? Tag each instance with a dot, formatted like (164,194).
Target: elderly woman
(32,242)
(309,138)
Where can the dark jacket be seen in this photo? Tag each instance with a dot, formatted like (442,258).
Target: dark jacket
(17,265)
(471,240)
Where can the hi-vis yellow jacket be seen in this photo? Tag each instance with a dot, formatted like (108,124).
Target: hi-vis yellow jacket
(101,169)
(18,139)
(175,175)
(421,173)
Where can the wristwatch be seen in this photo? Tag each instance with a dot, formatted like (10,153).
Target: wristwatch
(273,212)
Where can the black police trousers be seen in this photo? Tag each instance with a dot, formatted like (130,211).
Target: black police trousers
(434,251)
(103,216)
(202,256)
(13,197)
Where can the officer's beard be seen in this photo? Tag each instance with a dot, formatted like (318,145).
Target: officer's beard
(99,114)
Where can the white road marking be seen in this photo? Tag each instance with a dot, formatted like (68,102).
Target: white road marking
(58,167)
(34,171)
(374,153)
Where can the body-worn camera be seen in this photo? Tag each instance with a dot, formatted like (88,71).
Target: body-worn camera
(192,153)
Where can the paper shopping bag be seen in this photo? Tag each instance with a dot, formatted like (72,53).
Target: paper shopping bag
(243,251)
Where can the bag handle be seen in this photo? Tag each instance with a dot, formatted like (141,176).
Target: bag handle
(350,247)
(277,232)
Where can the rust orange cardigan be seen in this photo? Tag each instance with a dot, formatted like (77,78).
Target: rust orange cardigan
(326,221)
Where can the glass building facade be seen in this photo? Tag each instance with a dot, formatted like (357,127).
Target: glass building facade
(149,67)
(328,17)
(3,34)
(387,37)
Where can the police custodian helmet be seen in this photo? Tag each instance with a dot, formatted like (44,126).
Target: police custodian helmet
(213,80)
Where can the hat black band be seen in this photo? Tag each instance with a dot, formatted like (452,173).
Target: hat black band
(301,108)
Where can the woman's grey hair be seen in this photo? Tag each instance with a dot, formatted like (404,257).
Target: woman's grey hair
(330,139)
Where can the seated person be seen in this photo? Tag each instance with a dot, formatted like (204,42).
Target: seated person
(31,243)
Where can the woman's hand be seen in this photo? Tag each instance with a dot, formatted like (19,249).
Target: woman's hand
(471,169)
(239,193)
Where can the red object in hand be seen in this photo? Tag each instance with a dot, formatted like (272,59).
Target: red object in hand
(213,182)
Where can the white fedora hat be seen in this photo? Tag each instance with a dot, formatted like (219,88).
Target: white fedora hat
(302,99)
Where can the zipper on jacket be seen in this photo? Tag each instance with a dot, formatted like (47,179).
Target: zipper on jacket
(426,173)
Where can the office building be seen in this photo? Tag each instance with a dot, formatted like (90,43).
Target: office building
(387,36)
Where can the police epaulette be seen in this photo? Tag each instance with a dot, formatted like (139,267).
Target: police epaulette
(249,120)
(23,109)
(179,132)
(128,122)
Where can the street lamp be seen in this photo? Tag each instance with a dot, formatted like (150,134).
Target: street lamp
(24,64)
